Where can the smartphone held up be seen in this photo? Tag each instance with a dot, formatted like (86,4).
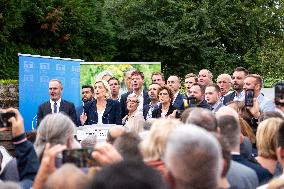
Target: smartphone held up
(249,94)
(80,157)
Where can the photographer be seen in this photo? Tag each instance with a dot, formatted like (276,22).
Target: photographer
(27,162)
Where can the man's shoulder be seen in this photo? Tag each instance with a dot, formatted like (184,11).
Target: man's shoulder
(44,103)
(67,102)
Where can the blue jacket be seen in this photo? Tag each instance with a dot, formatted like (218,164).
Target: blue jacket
(111,114)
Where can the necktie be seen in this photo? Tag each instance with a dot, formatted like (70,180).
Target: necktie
(55,107)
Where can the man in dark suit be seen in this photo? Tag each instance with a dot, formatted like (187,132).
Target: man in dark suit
(56,104)
(174,83)
(154,101)
(137,81)
(87,95)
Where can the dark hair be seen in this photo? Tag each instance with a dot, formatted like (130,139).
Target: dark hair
(202,88)
(113,78)
(88,86)
(203,118)
(137,73)
(128,146)
(128,174)
(217,88)
(266,115)
(226,153)
(230,130)
(241,69)
(165,87)
(280,136)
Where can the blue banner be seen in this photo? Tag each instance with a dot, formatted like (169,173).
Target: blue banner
(35,72)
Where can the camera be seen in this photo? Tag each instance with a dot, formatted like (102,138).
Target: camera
(249,97)
(80,157)
(279,93)
(4,117)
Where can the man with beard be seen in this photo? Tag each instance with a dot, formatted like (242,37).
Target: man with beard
(56,104)
(239,76)
(197,91)
(87,95)
(153,96)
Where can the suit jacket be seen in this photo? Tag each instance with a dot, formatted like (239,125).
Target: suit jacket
(242,176)
(178,103)
(157,112)
(228,98)
(65,106)
(111,114)
(79,111)
(263,174)
(123,104)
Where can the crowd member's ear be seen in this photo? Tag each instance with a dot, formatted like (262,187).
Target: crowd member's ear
(280,154)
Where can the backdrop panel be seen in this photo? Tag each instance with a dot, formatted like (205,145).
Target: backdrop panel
(91,71)
(34,75)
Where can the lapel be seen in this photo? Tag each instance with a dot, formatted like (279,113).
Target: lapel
(108,106)
(62,106)
(48,108)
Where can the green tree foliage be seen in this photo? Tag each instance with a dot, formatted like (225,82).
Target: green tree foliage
(65,28)
(185,35)
(188,35)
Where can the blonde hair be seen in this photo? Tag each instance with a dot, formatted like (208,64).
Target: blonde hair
(266,137)
(106,86)
(153,147)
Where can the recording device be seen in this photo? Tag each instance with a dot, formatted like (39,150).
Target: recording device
(188,102)
(79,157)
(279,93)
(4,117)
(192,101)
(249,97)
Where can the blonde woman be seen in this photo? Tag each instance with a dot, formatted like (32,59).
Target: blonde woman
(154,145)
(266,143)
(134,120)
(102,110)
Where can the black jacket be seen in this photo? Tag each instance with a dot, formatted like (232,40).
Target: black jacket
(157,112)
(65,106)
(111,114)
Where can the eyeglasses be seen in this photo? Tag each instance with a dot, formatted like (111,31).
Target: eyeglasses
(133,101)
(164,94)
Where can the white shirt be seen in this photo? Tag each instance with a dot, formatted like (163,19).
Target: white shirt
(52,105)
(100,116)
(241,97)
(175,96)
(141,100)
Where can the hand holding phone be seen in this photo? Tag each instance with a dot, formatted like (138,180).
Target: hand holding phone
(80,157)
(4,117)
(249,95)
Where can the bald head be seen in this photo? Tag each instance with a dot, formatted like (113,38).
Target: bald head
(76,178)
(202,118)
(191,148)
(114,132)
(226,110)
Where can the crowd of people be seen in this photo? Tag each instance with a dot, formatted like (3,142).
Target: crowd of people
(214,136)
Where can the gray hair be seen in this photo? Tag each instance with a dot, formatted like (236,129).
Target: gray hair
(204,118)
(194,157)
(89,142)
(54,129)
(133,95)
